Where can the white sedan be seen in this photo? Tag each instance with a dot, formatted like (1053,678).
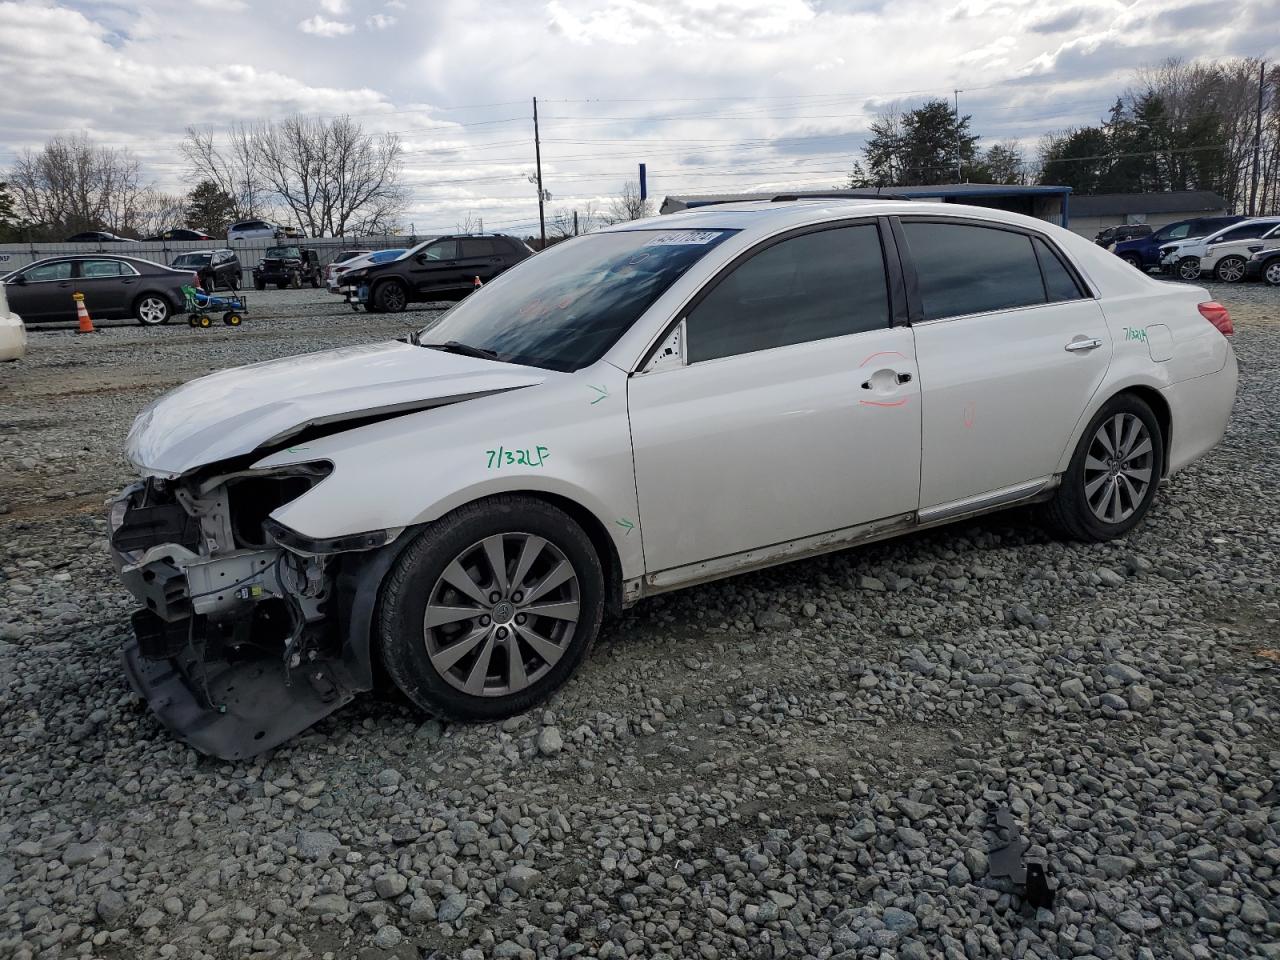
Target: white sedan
(664,403)
(13,333)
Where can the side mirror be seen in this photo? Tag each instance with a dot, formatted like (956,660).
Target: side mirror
(19,281)
(421,258)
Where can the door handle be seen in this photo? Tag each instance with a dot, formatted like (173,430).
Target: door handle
(1083,343)
(899,377)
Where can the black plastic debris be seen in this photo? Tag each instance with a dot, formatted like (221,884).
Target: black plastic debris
(1010,861)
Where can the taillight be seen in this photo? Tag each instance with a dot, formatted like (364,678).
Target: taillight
(1217,314)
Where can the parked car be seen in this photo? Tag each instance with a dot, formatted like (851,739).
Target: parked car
(662,403)
(287,266)
(1144,252)
(1227,260)
(113,287)
(444,268)
(1264,264)
(97,236)
(181,233)
(334,282)
(1182,257)
(215,268)
(13,334)
(1125,231)
(253,230)
(343,256)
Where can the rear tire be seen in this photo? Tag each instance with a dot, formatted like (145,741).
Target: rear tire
(1112,479)
(151,310)
(461,667)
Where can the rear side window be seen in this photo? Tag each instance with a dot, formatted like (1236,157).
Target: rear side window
(1059,284)
(810,287)
(966,269)
(477,248)
(89,269)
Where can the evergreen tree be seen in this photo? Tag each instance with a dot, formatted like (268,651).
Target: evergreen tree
(209,209)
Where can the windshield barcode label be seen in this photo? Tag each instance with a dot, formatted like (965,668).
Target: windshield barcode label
(683,236)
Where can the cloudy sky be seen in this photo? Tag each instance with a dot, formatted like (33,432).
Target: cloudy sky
(715,95)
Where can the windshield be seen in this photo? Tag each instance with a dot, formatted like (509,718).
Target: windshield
(192,260)
(283,253)
(382,256)
(563,308)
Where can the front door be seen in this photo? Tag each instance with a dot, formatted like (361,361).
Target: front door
(1011,349)
(435,270)
(795,410)
(45,293)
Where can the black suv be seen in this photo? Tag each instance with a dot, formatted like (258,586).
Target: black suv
(287,266)
(445,268)
(215,268)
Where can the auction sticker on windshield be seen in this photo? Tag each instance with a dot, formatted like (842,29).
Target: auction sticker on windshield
(682,237)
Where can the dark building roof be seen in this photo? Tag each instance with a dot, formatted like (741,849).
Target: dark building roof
(1120,204)
(941,191)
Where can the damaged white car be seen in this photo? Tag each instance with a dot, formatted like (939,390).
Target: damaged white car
(660,404)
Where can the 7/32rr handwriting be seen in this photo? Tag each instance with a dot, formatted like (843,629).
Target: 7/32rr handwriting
(513,458)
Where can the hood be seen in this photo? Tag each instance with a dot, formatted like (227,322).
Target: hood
(261,407)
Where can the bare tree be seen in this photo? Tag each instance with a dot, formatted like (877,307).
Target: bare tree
(561,224)
(70,185)
(627,205)
(469,224)
(154,212)
(332,177)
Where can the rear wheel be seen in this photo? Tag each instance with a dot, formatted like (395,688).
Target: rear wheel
(151,310)
(491,609)
(390,296)
(1113,474)
(1189,268)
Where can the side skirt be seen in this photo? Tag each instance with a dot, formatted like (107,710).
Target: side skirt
(705,571)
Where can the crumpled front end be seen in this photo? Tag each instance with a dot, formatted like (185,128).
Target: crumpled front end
(241,640)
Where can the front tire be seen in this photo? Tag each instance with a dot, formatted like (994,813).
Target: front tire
(212,281)
(1229,270)
(1271,273)
(491,609)
(1112,479)
(1133,260)
(391,296)
(151,310)
(1188,269)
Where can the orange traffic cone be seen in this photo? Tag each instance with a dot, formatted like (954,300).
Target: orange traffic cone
(477,285)
(86,324)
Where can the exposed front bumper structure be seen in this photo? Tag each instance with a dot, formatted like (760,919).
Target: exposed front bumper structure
(236,651)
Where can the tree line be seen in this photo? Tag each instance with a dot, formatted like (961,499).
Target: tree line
(327,176)
(1177,126)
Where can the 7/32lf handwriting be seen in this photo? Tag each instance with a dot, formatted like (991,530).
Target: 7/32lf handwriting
(516,458)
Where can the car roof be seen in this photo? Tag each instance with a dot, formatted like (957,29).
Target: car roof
(768,216)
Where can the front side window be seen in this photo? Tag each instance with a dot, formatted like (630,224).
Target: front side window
(49,271)
(966,269)
(568,305)
(441,250)
(811,287)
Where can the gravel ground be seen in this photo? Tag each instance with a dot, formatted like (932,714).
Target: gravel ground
(795,763)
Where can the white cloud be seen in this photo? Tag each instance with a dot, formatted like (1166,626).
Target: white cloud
(336,7)
(321,27)
(380,21)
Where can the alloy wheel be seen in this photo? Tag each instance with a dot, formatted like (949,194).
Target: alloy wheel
(1118,468)
(1231,270)
(501,614)
(1189,268)
(152,311)
(1272,274)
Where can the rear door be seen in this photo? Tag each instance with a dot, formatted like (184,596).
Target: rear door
(793,410)
(109,287)
(1011,347)
(478,257)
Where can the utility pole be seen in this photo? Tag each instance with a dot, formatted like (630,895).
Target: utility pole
(575,223)
(537,153)
(1257,141)
(959,175)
